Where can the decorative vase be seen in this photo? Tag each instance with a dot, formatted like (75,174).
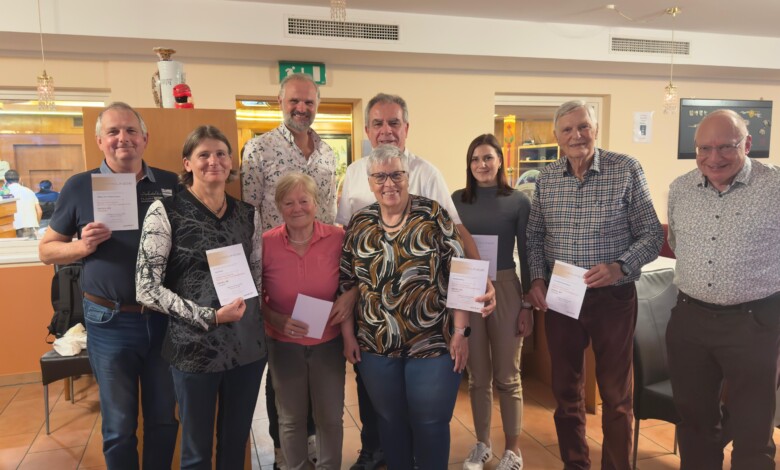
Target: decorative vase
(169,74)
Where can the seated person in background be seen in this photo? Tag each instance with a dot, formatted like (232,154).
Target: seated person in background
(47,198)
(45,193)
(28,210)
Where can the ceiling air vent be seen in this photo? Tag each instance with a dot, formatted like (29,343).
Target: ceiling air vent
(650,46)
(341,29)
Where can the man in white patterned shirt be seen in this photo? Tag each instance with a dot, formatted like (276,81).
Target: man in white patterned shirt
(724,227)
(293,146)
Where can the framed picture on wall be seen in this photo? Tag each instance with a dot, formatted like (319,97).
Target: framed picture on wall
(757,115)
(342,148)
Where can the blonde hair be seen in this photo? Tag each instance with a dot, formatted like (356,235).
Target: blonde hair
(293,180)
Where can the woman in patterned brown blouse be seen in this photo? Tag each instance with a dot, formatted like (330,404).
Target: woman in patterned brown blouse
(409,347)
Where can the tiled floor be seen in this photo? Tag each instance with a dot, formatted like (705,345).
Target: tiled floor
(75,441)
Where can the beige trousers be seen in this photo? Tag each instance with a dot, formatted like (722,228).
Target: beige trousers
(494,357)
(300,372)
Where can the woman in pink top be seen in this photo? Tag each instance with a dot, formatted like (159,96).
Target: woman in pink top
(301,257)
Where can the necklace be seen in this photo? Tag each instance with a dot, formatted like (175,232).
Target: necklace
(300,242)
(401,220)
(215,212)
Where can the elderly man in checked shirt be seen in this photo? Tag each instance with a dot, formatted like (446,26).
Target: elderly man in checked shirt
(724,227)
(592,208)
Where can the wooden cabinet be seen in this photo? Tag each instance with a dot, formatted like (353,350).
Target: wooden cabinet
(167,130)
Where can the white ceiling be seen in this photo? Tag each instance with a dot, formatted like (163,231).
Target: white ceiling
(729,40)
(745,17)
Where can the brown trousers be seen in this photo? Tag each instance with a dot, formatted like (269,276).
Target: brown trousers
(707,346)
(607,320)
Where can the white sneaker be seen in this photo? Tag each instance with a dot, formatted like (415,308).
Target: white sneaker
(511,461)
(313,449)
(478,456)
(279,462)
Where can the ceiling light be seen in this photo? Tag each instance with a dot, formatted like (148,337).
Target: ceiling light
(45,81)
(671,98)
(338,10)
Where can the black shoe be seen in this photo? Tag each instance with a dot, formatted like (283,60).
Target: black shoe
(368,460)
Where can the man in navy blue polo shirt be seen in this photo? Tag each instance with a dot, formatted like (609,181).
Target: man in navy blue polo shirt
(124,339)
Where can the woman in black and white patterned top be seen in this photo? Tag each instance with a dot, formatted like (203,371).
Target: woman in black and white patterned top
(217,353)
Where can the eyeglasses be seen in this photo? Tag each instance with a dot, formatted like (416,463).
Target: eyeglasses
(396,176)
(725,150)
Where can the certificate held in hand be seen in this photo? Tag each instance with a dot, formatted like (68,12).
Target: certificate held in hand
(314,312)
(468,280)
(230,274)
(566,291)
(114,201)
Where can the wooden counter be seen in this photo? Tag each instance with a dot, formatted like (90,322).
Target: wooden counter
(26,313)
(7,211)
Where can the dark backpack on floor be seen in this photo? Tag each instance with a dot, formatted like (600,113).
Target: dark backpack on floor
(66,299)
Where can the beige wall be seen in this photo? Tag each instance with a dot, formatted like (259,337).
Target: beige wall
(447,108)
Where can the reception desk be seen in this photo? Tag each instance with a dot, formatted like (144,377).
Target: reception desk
(7,211)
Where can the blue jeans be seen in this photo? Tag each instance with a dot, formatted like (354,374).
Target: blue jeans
(369,433)
(124,349)
(231,395)
(414,399)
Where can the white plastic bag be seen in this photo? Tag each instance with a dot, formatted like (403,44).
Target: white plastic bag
(72,342)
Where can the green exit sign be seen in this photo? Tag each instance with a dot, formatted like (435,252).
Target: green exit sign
(315,70)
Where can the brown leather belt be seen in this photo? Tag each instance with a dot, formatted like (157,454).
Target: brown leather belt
(128,308)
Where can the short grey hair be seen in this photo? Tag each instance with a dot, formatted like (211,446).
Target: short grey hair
(570,106)
(120,106)
(383,154)
(301,77)
(385,98)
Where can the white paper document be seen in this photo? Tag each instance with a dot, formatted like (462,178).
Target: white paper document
(468,279)
(230,273)
(487,245)
(114,201)
(567,289)
(314,312)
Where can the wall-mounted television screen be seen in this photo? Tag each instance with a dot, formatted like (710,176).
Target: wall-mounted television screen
(757,115)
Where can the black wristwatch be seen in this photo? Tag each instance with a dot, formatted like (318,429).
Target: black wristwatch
(466,332)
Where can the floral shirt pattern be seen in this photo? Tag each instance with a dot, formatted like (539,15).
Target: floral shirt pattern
(272,155)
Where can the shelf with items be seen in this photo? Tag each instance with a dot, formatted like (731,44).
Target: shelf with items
(535,157)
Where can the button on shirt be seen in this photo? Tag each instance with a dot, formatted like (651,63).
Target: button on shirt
(727,243)
(274,154)
(606,217)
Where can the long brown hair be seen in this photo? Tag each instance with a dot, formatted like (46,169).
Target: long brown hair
(502,186)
